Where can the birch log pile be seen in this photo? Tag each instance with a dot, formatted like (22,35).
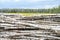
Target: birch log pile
(18,27)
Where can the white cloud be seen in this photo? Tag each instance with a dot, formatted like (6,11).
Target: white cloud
(50,6)
(2,1)
(29,3)
(44,6)
(17,0)
(32,1)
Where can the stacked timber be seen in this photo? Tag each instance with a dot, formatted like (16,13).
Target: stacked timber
(17,27)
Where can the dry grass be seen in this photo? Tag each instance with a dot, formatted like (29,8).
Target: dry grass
(33,14)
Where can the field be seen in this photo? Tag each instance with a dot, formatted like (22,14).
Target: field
(33,14)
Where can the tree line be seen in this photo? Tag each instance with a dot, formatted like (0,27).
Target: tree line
(51,10)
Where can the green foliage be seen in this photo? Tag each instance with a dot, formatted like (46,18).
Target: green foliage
(52,10)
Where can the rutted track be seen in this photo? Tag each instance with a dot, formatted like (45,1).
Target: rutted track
(18,27)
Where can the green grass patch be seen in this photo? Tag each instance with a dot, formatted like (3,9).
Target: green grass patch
(32,14)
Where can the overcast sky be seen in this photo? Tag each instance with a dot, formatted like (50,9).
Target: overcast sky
(29,3)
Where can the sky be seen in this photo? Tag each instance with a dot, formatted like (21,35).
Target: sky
(29,3)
